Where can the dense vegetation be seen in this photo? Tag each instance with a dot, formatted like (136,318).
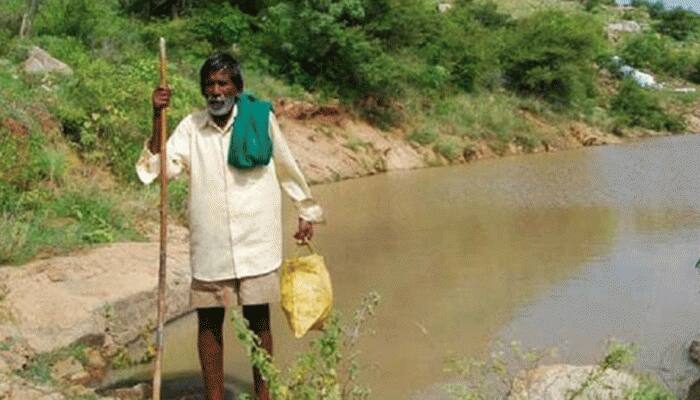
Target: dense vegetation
(475,72)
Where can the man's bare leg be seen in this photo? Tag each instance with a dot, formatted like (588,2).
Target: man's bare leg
(258,317)
(211,351)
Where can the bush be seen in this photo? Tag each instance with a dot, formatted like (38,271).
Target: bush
(327,371)
(657,53)
(678,23)
(550,55)
(448,147)
(423,136)
(593,5)
(635,106)
(654,7)
(694,75)
(320,45)
(11,19)
(467,42)
(220,24)
(182,41)
(84,20)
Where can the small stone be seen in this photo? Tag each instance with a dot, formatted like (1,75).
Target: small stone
(79,391)
(138,392)
(80,378)
(695,351)
(66,368)
(109,347)
(55,275)
(624,26)
(444,7)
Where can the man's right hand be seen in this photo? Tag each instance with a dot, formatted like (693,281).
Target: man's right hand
(161,98)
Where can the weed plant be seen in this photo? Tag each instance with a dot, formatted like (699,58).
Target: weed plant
(327,370)
(494,377)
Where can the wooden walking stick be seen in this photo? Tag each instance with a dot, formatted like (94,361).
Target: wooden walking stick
(163,230)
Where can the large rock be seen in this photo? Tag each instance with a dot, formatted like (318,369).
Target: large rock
(107,291)
(41,62)
(559,382)
(624,27)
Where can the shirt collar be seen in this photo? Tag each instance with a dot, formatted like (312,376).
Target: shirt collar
(208,120)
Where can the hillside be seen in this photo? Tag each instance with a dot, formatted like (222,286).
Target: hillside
(394,84)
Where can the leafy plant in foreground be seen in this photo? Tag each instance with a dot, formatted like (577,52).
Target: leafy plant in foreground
(327,371)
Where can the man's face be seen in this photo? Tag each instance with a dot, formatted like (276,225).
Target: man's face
(220,93)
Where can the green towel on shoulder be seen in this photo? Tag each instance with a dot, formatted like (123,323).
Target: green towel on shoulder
(250,144)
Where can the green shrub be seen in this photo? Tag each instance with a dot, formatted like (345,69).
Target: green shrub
(654,7)
(448,147)
(84,20)
(356,144)
(657,53)
(635,106)
(527,142)
(467,41)
(320,45)
(694,75)
(679,23)
(375,52)
(550,54)
(183,43)
(645,50)
(423,136)
(328,370)
(220,24)
(14,238)
(651,390)
(593,5)
(27,160)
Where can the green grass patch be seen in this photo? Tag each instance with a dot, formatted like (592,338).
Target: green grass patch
(356,144)
(424,136)
(38,370)
(448,147)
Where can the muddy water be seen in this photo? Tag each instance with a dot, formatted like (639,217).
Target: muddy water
(565,249)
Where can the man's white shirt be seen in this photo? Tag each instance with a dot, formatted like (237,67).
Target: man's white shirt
(235,214)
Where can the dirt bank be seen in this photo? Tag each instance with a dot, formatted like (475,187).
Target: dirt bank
(332,145)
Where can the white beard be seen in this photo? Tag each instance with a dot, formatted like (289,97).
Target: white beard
(225,109)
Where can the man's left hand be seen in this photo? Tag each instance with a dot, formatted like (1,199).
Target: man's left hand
(305,231)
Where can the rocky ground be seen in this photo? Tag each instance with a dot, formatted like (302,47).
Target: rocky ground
(64,321)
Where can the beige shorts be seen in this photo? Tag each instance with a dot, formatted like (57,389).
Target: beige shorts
(259,289)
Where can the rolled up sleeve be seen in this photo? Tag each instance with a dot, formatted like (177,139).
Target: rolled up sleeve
(291,178)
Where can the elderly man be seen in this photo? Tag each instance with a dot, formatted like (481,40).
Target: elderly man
(235,206)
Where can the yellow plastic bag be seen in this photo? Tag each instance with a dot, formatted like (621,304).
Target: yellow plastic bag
(307,296)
